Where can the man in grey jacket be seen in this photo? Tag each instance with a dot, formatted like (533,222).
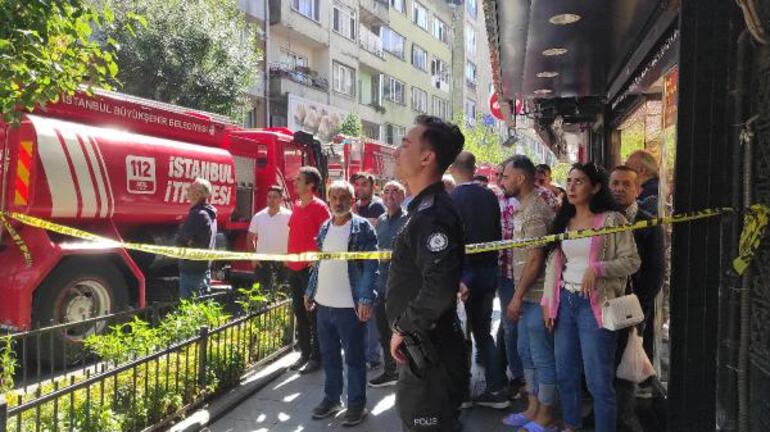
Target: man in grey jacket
(198,231)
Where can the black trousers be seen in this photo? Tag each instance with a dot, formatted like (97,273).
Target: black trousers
(307,336)
(430,401)
(271,275)
(383,328)
(648,334)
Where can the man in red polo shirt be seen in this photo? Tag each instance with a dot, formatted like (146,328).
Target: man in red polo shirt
(307,216)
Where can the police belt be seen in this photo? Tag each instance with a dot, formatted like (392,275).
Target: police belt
(754,225)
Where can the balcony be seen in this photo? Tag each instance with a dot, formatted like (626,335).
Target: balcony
(297,80)
(303,26)
(370,41)
(372,53)
(374,12)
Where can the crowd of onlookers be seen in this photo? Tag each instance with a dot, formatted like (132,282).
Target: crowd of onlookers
(551,347)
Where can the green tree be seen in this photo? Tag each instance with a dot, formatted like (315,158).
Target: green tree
(352,126)
(201,54)
(483,141)
(559,172)
(47,49)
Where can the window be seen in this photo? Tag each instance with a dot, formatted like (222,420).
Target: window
(291,60)
(440,107)
(393,42)
(439,69)
(394,90)
(440,30)
(420,16)
(470,41)
(394,134)
(470,7)
(419,100)
(419,58)
(344,21)
(344,78)
(470,112)
(470,73)
(309,8)
(398,5)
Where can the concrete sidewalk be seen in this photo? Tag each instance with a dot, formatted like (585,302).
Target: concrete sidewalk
(285,406)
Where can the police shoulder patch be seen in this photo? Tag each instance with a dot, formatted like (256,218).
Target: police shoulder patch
(437,242)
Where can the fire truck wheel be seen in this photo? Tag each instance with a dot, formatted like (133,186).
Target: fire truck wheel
(75,292)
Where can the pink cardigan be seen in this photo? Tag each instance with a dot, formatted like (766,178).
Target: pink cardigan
(613,257)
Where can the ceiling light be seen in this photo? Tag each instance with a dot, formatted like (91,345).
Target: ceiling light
(564,19)
(542,92)
(547,74)
(555,52)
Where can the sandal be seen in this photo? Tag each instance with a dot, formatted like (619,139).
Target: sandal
(516,420)
(534,427)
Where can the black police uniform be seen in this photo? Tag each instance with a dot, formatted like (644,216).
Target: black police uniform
(423,281)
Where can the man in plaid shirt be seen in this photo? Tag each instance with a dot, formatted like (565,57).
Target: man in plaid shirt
(508,330)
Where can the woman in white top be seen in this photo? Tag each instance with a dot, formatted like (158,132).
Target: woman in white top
(580,276)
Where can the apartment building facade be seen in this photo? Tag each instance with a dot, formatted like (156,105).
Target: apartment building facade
(384,60)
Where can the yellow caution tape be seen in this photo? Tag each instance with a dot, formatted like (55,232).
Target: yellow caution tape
(18,240)
(755,223)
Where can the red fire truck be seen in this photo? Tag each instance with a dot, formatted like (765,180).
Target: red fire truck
(362,155)
(120,167)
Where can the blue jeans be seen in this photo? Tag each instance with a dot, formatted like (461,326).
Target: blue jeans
(372,348)
(194,283)
(510,328)
(579,341)
(536,351)
(482,283)
(338,329)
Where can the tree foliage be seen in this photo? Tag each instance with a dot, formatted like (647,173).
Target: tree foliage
(352,126)
(560,172)
(483,141)
(47,49)
(201,54)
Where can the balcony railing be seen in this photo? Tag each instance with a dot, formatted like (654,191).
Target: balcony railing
(300,74)
(370,41)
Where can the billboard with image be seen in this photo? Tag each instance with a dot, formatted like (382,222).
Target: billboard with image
(323,121)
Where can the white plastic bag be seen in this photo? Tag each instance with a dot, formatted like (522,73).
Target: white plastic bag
(635,366)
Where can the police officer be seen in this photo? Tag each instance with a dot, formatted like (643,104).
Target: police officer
(423,282)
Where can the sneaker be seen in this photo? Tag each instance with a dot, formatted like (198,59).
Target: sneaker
(354,416)
(466,405)
(516,388)
(297,365)
(310,367)
(384,380)
(326,408)
(644,392)
(496,400)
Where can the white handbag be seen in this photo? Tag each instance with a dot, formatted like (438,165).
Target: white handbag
(622,312)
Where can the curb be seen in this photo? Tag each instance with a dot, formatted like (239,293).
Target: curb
(220,406)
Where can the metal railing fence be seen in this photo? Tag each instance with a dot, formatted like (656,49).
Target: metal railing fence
(149,390)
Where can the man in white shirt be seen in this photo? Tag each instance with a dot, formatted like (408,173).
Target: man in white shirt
(342,294)
(269,234)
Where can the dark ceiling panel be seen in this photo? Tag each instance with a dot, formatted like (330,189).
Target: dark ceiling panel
(597,44)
